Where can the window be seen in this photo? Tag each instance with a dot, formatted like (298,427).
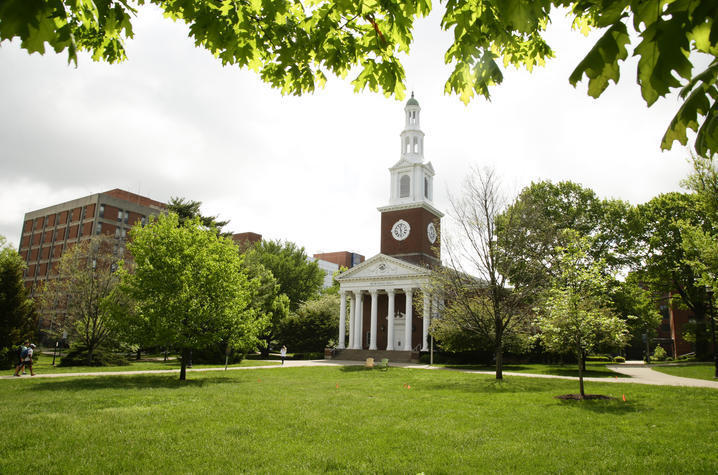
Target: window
(127,217)
(98,228)
(82,214)
(416,145)
(119,216)
(404,186)
(426,188)
(102,211)
(144,221)
(407,145)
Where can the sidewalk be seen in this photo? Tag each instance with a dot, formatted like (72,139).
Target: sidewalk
(638,372)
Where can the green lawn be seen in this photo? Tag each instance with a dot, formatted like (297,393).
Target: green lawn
(593,369)
(44,365)
(351,420)
(691,370)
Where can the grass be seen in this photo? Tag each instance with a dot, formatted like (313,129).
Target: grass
(351,420)
(593,369)
(43,365)
(690,370)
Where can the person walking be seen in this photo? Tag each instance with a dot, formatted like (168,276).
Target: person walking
(26,360)
(283,353)
(22,351)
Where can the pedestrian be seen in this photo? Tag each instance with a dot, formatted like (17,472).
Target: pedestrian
(26,361)
(283,353)
(21,352)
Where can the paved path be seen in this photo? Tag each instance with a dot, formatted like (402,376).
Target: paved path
(638,372)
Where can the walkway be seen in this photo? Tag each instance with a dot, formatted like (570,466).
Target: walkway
(638,372)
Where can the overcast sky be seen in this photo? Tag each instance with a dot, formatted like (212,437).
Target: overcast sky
(171,121)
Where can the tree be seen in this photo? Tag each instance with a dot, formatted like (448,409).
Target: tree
(83,292)
(475,280)
(189,286)
(298,278)
(577,316)
(267,300)
(312,326)
(536,221)
(700,245)
(637,306)
(665,267)
(16,309)
(186,210)
(294,45)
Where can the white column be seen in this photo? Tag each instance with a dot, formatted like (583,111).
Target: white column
(390,321)
(427,320)
(342,319)
(352,325)
(409,309)
(359,338)
(374,303)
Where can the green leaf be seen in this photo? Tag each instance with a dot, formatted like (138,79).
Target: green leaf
(601,63)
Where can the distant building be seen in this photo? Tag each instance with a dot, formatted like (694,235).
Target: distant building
(47,232)
(342,258)
(329,269)
(246,240)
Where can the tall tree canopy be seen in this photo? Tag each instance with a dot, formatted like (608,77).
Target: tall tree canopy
(189,287)
(665,267)
(187,210)
(293,45)
(16,308)
(532,229)
(298,278)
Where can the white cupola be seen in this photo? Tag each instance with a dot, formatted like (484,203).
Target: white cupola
(412,180)
(412,138)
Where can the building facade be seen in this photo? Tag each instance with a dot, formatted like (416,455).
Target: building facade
(48,232)
(382,295)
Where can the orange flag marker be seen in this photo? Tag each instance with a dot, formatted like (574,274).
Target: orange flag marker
(408,386)
(624,398)
(337,385)
(259,380)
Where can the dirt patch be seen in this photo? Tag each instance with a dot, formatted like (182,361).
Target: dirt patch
(577,397)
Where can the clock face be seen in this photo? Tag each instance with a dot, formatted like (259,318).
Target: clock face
(400,230)
(431,233)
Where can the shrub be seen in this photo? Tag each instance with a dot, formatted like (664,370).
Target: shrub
(619,359)
(602,358)
(659,354)
(308,356)
(77,356)
(670,358)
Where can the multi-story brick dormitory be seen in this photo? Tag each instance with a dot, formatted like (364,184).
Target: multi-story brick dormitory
(48,232)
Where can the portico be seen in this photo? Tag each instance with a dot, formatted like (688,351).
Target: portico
(381,298)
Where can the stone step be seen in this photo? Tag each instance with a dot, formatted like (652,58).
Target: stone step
(378,355)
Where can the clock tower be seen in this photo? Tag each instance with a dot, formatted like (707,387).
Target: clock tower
(410,224)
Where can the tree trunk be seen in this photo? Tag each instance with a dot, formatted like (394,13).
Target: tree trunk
(183,368)
(583,361)
(139,354)
(90,354)
(165,354)
(499,353)
(265,350)
(580,373)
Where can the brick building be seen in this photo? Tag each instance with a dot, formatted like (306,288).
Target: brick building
(48,232)
(342,258)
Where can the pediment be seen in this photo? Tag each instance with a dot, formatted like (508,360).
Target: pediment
(383,266)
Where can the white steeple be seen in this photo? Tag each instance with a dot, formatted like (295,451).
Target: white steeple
(412,180)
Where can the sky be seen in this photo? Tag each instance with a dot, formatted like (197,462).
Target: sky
(172,121)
